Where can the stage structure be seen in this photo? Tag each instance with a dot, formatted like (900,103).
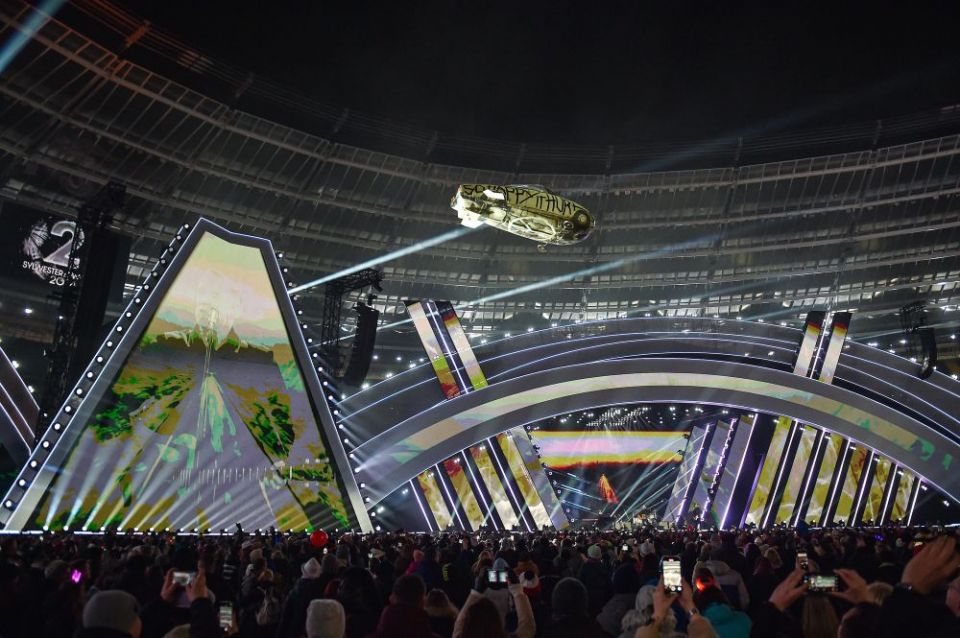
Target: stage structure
(848,400)
(450,489)
(19,414)
(201,410)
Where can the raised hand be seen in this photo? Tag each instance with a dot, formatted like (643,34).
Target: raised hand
(170,590)
(856,591)
(661,601)
(198,587)
(932,565)
(789,591)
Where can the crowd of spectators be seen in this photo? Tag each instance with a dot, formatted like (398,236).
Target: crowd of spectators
(899,582)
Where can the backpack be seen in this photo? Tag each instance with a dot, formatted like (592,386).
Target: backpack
(269,611)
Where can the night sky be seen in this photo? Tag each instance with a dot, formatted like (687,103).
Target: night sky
(598,72)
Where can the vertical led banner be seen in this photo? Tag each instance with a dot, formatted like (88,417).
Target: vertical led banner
(447,346)
(761,492)
(522,478)
(677,503)
(873,507)
(832,447)
(531,461)
(710,470)
(730,476)
(848,493)
(801,460)
(437,357)
(811,334)
(434,499)
(490,478)
(901,502)
(459,338)
(838,335)
(461,487)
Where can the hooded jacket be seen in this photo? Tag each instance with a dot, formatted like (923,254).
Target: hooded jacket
(526,626)
(729,580)
(727,622)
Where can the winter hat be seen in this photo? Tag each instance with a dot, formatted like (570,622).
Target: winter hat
(325,619)
(111,609)
(256,555)
(501,563)
(310,569)
(569,598)
(594,552)
(55,569)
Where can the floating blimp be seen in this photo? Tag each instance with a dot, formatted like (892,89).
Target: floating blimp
(529,211)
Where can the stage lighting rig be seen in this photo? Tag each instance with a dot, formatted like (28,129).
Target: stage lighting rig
(913,322)
(82,307)
(332,307)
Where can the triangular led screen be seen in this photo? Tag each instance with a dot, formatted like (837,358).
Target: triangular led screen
(207,423)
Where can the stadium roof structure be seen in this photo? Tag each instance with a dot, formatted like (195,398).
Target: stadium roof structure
(862,217)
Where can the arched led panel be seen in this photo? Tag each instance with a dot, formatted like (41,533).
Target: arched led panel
(404,450)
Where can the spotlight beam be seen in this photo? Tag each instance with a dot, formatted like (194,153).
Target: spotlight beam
(396,254)
(583,272)
(37,18)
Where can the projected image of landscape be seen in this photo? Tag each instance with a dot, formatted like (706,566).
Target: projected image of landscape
(208,423)
(612,472)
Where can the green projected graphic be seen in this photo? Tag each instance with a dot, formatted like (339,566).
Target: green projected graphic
(207,423)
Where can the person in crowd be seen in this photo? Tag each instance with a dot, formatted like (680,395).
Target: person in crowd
(404,617)
(714,605)
(762,582)
(819,618)
(596,577)
(895,581)
(442,612)
(662,619)
(111,614)
(729,581)
(360,597)
(481,616)
(641,614)
(626,584)
(325,619)
(309,587)
(571,617)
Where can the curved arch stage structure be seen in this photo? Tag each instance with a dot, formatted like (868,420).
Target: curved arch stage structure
(876,400)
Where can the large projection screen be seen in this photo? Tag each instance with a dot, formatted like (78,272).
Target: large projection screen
(207,423)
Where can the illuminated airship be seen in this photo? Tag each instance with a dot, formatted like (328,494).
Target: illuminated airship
(529,211)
